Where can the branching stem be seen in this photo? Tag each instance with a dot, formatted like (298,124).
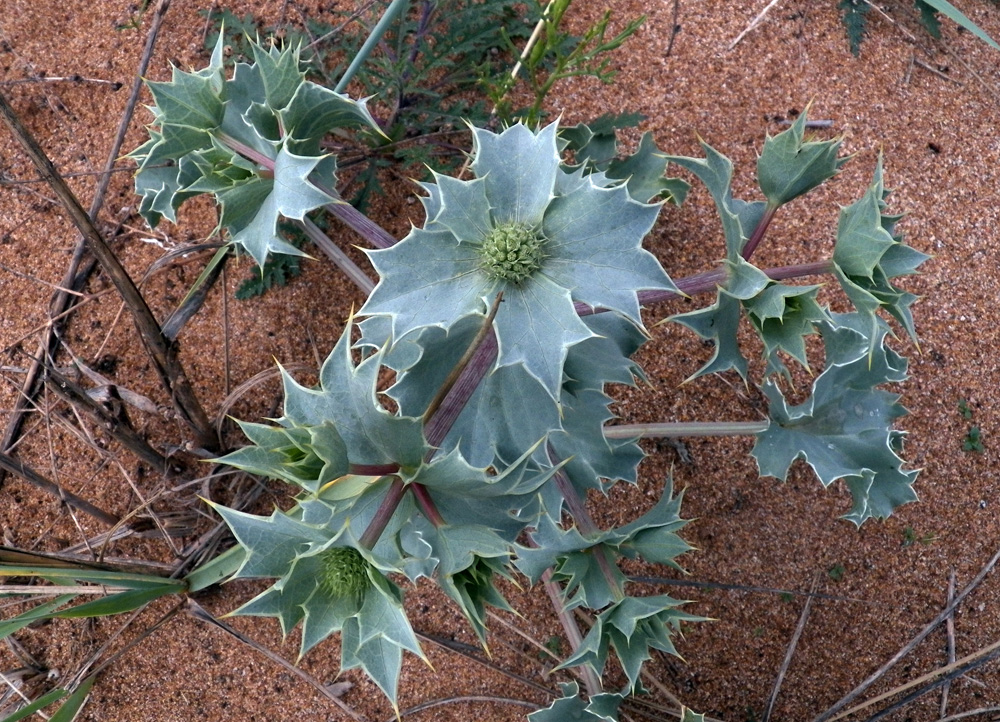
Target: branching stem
(427,505)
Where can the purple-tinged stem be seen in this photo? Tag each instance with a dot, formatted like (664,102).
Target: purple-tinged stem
(708,281)
(351,216)
(758,233)
(427,505)
(573,635)
(482,361)
(335,254)
(384,513)
(373,469)
(485,330)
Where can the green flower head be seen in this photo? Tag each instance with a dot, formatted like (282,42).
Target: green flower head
(549,239)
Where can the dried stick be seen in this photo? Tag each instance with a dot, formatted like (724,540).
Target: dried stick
(950,627)
(857,691)
(116,425)
(198,612)
(9,464)
(753,23)
(161,351)
(790,653)
(60,305)
(930,680)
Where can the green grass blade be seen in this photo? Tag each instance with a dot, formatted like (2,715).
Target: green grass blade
(41,703)
(125,580)
(216,571)
(72,707)
(206,273)
(42,611)
(117,603)
(952,13)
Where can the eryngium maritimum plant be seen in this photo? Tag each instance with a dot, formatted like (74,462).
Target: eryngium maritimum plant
(547,238)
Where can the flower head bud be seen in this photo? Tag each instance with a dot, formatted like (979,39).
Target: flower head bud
(512,252)
(344,573)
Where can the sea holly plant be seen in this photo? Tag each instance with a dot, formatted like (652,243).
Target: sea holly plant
(506,320)
(251,140)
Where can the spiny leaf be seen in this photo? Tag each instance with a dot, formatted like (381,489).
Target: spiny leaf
(783,316)
(719,324)
(844,430)
(346,398)
(632,627)
(789,166)
(252,210)
(868,254)
(253,141)
(573,708)
(571,555)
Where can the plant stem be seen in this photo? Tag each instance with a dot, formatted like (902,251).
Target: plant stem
(388,17)
(358,221)
(470,352)
(590,678)
(384,513)
(348,214)
(758,233)
(674,430)
(335,254)
(709,280)
(482,361)
(427,505)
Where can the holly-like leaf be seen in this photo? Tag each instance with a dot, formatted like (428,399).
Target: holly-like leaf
(251,211)
(643,174)
(572,556)
(844,429)
(718,323)
(739,218)
(573,708)
(346,398)
(784,316)
(632,627)
(308,457)
(868,254)
(252,140)
(789,166)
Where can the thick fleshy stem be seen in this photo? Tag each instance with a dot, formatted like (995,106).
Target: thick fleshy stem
(758,233)
(441,414)
(463,362)
(384,513)
(482,361)
(427,505)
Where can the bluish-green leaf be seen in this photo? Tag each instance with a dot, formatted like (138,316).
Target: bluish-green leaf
(844,430)
(789,166)
(573,708)
(347,399)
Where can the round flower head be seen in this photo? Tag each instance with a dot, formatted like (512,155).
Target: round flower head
(546,237)
(344,572)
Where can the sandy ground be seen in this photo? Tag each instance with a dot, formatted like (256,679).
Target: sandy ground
(929,106)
